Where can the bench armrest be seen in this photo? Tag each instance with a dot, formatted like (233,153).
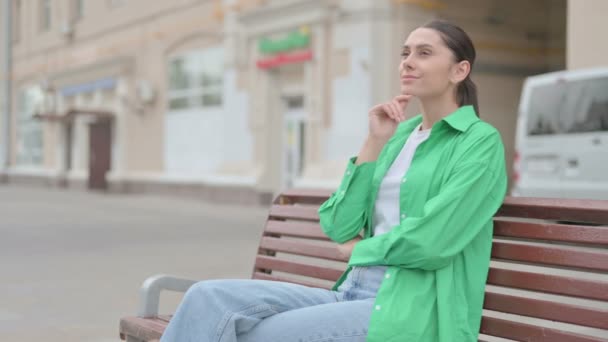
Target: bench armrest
(149,293)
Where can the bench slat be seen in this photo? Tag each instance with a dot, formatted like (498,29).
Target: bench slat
(485,338)
(296,229)
(165,318)
(561,285)
(551,255)
(301,248)
(265,276)
(530,333)
(270,263)
(294,212)
(551,232)
(144,329)
(309,196)
(573,210)
(545,309)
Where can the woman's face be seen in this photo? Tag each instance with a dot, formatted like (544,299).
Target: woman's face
(427,67)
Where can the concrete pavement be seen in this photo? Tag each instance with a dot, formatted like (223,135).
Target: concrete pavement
(71,263)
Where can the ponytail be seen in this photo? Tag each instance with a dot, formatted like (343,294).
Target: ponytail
(467,94)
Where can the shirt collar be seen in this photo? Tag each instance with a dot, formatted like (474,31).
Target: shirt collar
(462,118)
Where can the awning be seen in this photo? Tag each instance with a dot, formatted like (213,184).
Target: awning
(53,117)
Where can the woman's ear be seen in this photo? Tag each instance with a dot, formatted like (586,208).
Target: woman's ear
(460,71)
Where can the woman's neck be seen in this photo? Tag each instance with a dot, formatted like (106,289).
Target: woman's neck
(435,109)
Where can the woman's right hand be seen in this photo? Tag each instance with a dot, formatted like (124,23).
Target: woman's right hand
(384,117)
(346,249)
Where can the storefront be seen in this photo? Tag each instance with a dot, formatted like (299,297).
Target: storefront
(258,96)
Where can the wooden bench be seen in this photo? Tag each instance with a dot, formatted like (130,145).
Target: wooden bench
(548,279)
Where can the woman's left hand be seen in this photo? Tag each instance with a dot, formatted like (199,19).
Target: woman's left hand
(346,249)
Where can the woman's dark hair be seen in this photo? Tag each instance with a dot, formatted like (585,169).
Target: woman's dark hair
(462,47)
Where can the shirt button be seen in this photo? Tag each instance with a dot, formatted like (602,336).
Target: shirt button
(347,173)
(387,276)
(342,192)
(378,307)
(402,216)
(404,180)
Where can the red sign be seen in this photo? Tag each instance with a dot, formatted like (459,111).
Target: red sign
(284,58)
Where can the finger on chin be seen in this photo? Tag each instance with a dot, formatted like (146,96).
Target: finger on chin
(403,98)
(387,109)
(399,108)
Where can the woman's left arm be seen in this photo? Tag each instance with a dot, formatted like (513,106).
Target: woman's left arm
(469,198)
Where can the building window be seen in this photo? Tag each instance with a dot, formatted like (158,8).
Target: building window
(29,129)
(45,15)
(77,9)
(196,80)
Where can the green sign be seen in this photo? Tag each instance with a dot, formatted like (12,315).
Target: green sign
(294,40)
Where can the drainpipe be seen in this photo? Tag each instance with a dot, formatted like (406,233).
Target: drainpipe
(6,135)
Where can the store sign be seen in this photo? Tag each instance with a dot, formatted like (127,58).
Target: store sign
(284,58)
(291,49)
(294,40)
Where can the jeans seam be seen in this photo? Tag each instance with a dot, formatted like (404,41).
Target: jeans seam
(247,310)
(333,338)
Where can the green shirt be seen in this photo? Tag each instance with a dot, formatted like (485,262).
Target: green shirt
(439,255)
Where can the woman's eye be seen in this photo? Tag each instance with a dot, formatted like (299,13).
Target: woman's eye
(405,54)
(425,53)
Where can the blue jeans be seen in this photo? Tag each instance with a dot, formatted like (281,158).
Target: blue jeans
(269,311)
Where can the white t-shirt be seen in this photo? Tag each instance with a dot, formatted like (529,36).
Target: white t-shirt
(386,208)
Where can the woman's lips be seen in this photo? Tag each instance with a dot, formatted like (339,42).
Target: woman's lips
(408,78)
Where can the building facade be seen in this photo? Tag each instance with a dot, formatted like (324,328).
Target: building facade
(235,100)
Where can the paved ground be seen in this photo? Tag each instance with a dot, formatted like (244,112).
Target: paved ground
(71,263)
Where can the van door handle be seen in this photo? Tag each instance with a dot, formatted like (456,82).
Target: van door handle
(572,162)
(596,141)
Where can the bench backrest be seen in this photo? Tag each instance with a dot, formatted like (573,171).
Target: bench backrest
(548,278)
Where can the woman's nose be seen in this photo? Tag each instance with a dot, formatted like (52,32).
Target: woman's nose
(406,63)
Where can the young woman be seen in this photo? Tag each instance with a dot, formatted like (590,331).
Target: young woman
(421,191)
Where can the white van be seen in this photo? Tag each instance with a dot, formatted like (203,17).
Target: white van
(561,143)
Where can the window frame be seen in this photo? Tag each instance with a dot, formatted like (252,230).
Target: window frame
(194,91)
(27,127)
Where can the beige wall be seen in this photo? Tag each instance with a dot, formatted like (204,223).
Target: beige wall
(586,38)
(2,80)
(498,101)
(130,42)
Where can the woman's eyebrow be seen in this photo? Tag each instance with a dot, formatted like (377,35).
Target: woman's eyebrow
(419,46)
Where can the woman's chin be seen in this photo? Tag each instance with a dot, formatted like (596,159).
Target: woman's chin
(405,90)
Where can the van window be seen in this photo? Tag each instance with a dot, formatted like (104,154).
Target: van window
(567,107)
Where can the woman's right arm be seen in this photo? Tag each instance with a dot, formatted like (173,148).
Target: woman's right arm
(344,214)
